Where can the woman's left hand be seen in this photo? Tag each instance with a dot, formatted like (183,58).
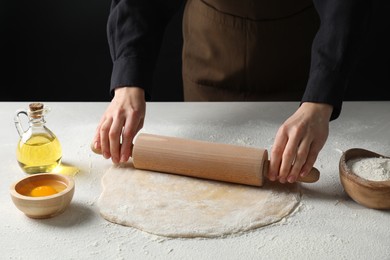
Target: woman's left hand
(298,142)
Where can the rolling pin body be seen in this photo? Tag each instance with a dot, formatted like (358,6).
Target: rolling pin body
(207,160)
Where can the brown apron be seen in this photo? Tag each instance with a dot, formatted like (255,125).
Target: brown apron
(247,50)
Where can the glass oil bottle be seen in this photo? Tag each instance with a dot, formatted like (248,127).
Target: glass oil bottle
(38,149)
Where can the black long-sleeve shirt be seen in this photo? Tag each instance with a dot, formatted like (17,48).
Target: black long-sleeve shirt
(135,29)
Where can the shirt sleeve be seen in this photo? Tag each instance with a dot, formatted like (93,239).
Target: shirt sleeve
(344,25)
(135,29)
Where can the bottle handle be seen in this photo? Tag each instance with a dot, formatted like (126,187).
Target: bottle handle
(18,124)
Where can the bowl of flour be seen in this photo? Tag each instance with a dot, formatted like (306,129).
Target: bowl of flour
(365,176)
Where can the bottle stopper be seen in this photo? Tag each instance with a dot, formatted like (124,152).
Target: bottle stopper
(36,110)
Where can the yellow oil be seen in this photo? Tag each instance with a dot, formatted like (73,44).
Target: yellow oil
(40,153)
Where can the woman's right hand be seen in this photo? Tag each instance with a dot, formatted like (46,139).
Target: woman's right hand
(121,121)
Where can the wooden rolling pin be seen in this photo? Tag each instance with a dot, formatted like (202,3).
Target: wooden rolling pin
(207,160)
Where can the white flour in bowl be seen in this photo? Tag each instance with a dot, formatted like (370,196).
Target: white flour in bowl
(373,169)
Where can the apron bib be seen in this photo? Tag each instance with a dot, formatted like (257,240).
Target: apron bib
(247,50)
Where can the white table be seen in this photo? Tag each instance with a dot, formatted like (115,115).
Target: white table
(327,224)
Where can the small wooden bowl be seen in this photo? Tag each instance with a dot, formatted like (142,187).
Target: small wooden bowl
(371,194)
(45,205)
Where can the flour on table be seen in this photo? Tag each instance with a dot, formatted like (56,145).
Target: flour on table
(178,206)
(374,169)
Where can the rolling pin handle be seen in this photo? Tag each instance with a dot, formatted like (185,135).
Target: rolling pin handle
(312,176)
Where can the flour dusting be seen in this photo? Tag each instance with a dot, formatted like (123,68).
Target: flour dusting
(373,169)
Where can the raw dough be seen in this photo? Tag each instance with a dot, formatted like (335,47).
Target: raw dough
(178,206)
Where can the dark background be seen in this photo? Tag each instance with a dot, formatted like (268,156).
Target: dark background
(57,51)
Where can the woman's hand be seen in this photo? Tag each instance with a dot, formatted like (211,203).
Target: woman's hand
(298,142)
(119,124)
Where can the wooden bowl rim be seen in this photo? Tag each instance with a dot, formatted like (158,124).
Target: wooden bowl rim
(68,181)
(345,171)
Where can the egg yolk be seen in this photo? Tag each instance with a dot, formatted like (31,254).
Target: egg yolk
(41,191)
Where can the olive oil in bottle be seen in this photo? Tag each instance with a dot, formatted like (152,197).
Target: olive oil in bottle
(38,150)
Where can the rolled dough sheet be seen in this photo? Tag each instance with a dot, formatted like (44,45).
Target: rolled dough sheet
(178,206)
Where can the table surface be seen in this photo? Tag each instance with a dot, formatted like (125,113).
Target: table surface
(326,225)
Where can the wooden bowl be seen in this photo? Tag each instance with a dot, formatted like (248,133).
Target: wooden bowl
(43,195)
(371,194)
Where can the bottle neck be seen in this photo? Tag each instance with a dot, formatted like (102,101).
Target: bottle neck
(37,121)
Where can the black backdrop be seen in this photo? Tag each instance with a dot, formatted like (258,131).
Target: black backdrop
(57,51)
